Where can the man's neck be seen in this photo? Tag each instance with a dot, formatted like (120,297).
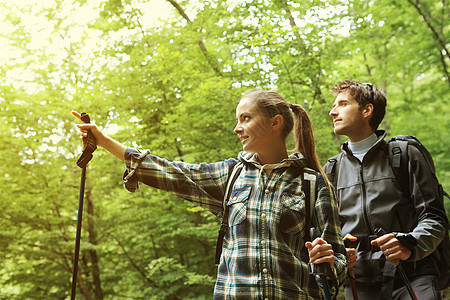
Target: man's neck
(359,149)
(361,135)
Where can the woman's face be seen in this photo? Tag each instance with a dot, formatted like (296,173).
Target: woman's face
(253,128)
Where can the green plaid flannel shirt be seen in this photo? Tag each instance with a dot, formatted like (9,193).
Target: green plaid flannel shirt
(264,256)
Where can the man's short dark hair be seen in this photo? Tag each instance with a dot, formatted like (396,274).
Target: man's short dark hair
(365,93)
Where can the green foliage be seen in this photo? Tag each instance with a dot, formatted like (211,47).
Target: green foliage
(173,88)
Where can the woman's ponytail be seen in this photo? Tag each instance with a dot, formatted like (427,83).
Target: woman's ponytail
(304,138)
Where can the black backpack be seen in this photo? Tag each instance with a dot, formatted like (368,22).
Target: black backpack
(309,184)
(398,158)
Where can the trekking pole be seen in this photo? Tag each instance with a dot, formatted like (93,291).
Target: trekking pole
(351,276)
(89,147)
(379,232)
(350,273)
(405,279)
(322,270)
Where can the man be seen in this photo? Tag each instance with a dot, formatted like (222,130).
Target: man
(371,198)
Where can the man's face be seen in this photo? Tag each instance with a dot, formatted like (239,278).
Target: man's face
(347,116)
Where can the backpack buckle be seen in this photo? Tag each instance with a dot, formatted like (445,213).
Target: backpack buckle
(396,156)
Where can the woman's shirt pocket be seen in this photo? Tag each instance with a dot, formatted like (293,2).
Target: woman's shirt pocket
(292,219)
(237,205)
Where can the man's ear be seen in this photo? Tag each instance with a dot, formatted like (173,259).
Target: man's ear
(277,122)
(367,111)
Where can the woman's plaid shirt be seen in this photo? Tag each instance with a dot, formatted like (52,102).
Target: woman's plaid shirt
(264,254)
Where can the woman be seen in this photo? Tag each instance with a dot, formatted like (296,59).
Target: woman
(265,253)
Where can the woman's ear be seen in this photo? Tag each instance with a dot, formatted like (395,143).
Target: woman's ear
(277,122)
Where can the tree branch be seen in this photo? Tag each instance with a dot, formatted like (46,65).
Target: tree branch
(130,259)
(439,38)
(313,76)
(202,46)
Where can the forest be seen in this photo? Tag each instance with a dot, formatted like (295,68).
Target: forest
(167,76)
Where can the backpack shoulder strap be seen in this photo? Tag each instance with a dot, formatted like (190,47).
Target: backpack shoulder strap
(233,175)
(398,159)
(333,168)
(309,184)
(398,153)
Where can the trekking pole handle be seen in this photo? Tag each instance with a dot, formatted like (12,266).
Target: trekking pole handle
(322,269)
(318,269)
(380,232)
(89,144)
(85,118)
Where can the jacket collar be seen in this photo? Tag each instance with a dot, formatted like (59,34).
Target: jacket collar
(381,134)
(295,159)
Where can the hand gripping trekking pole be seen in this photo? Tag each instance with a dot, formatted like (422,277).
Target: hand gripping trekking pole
(323,270)
(379,232)
(89,147)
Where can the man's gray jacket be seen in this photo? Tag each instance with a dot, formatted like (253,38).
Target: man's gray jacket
(370,197)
